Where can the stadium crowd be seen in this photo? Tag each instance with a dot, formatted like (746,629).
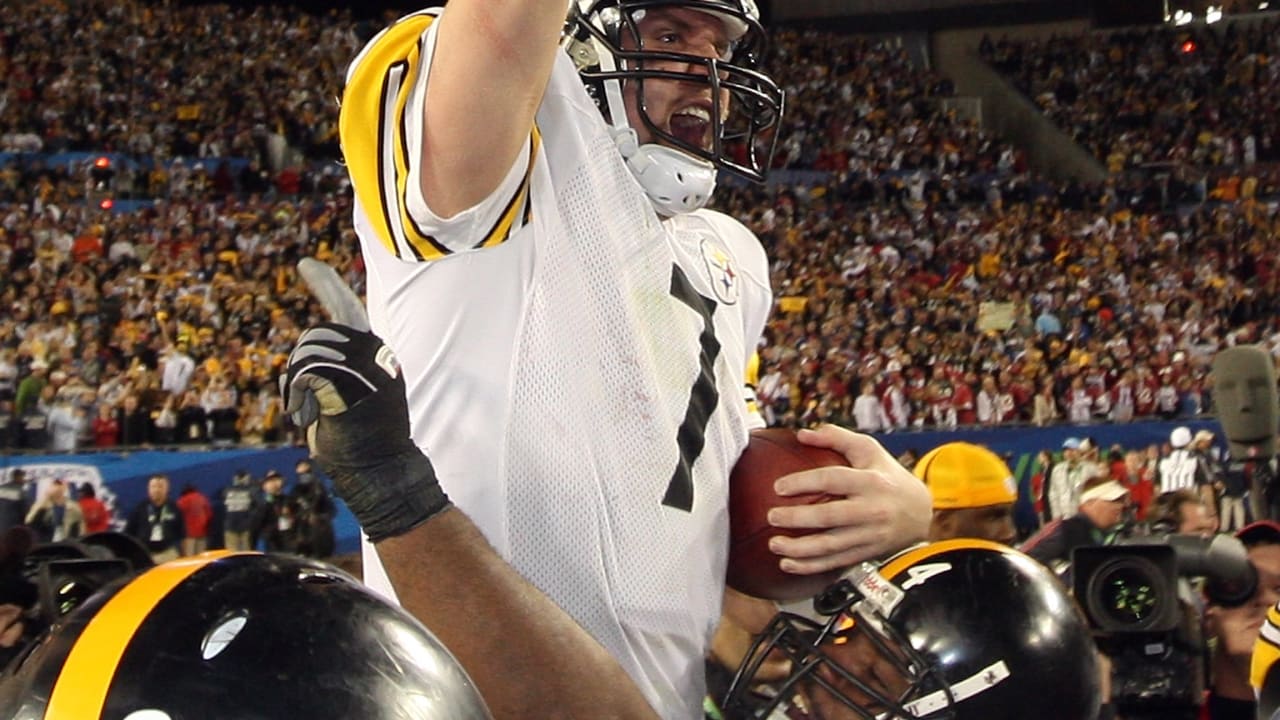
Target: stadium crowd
(924,277)
(1205,95)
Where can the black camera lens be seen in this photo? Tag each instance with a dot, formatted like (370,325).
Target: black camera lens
(1125,592)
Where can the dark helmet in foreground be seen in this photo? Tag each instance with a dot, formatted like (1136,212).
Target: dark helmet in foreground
(960,629)
(244,635)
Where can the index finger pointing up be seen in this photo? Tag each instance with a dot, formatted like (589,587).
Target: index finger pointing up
(337,298)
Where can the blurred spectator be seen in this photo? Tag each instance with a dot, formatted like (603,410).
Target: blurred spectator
(1182,512)
(106,427)
(220,406)
(33,423)
(1066,478)
(1045,410)
(868,413)
(15,499)
(53,518)
(97,518)
(240,505)
(31,387)
(313,510)
(1041,469)
(1206,455)
(1101,510)
(1237,483)
(177,367)
(66,421)
(196,515)
(157,521)
(135,422)
(272,526)
(192,425)
(1135,475)
(1182,469)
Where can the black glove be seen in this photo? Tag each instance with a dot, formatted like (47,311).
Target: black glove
(344,385)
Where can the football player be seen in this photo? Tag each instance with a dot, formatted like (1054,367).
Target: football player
(961,629)
(572,324)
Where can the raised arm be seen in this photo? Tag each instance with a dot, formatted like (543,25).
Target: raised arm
(492,62)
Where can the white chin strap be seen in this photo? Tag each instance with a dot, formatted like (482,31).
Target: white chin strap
(675,181)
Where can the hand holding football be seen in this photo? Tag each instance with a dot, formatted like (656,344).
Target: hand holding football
(753,567)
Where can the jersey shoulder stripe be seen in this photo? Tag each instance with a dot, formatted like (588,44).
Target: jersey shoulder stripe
(380,130)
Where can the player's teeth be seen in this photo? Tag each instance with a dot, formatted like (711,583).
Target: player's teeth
(698,112)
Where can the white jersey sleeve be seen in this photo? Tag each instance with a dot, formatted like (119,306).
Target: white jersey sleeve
(381,128)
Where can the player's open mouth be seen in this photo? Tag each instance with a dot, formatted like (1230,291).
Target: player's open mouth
(692,125)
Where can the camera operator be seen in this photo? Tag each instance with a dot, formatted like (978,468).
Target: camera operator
(1101,511)
(1234,630)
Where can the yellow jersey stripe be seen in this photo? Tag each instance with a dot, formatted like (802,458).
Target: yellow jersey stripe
(750,380)
(501,230)
(1266,650)
(382,80)
(396,135)
(82,685)
(374,84)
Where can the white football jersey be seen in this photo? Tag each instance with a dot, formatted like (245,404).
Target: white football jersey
(575,365)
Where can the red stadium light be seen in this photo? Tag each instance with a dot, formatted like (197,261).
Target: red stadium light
(1189,46)
(107,204)
(103,162)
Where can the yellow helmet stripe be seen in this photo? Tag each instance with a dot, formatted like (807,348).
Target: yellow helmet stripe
(82,685)
(924,552)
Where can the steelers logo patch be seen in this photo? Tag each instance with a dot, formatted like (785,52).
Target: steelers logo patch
(721,272)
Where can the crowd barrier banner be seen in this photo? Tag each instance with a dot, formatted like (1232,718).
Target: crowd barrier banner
(121,477)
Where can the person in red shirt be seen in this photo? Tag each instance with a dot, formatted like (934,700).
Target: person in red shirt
(196,514)
(106,428)
(97,517)
(1135,475)
(962,400)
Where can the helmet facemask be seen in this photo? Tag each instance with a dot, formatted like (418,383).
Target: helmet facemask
(605,41)
(960,629)
(850,664)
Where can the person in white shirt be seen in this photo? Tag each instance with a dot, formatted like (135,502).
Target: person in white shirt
(868,414)
(1180,469)
(176,369)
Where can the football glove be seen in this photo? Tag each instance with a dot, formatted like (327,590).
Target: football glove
(345,387)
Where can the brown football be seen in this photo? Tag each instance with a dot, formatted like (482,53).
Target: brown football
(753,567)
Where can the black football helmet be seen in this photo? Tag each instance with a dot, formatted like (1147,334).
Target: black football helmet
(242,635)
(596,35)
(960,629)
